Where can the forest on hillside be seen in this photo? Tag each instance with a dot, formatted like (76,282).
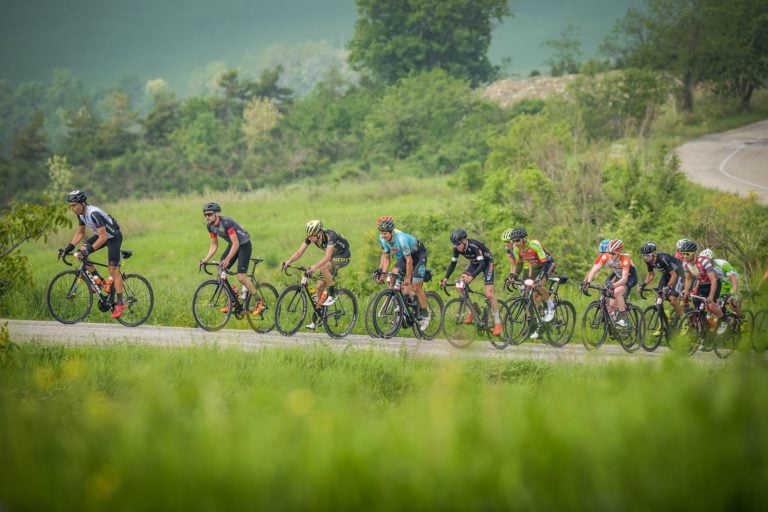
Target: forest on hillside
(591,161)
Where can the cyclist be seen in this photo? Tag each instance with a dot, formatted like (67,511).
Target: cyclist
(622,280)
(679,245)
(336,256)
(411,262)
(106,232)
(481,262)
(238,249)
(729,286)
(671,280)
(538,263)
(708,282)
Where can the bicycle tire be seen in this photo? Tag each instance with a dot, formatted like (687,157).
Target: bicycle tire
(559,331)
(207,303)
(727,342)
(458,333)
(594,327)
(341,316)
(69,298)
(502,341)
(264,322)
(652,323)
(518,324)
(138,298)
(631,341)
(369,327)
(291,310)
(690,334)
(760,331)
(435,307)
(388,311)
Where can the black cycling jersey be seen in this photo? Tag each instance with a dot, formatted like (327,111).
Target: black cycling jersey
(666,263)
(94,218)
(226,226)
(476,252)
(330,237)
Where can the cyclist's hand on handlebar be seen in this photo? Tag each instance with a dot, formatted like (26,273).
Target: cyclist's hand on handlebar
(667,291)
(284,265)
(310,271)
(609,291)
(584,287)
(443,282)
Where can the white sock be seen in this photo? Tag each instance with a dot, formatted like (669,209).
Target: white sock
(550,304)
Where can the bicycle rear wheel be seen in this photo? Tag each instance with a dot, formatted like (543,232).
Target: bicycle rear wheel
(388,311)
(435,308)
(559,331)
(653,329)
(691,334)
(502,341)
(69,297)
(760,331)
(457,331)
(727,342)
(210,305)
(291,310)
(630,337)
(139,299)
(264,321)
(341,316)
(594,327)
(519,321)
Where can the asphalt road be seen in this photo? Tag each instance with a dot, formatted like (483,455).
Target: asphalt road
(734,161)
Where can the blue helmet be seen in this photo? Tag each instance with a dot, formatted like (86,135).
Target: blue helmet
(604,246)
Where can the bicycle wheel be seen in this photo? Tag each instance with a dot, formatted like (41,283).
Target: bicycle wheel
(727,342)
(593,327)
(369,327)
(518,324)
(210,305)
(760,331)
(291,310)
(139,297)
(502,341)
(691,334)
(630,337)
(264,321)
(435,307)
(559,331)
(341,316)
(69,297)
(653,329)
(387,313)
(457,331)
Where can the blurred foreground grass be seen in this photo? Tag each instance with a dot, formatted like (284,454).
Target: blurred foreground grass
(140,428)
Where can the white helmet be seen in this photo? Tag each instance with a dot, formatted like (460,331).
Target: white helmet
(707,253)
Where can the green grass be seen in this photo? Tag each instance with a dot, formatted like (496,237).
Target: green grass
(139,428)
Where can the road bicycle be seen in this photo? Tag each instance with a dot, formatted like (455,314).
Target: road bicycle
(525,317)
(71,293)
(215,300)
(391,310)
(338,319)
(657,326)
(600,323)
(700,330)
(466,318)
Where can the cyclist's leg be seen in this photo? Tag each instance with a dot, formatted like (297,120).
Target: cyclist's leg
(419,270)
(243,260)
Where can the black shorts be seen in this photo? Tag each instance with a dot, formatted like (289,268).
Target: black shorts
(419,266)
(487,271)
(676,287)
(113,246)
(243,257)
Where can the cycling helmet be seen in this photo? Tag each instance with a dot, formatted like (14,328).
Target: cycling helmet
(211,207)
(76,196)
(648,248)
(386,223)
(689,246)
(506,236)
(457,235)
(681,243)
(707,253)
(604,246)
(314,227)
(519,233)
(615,246)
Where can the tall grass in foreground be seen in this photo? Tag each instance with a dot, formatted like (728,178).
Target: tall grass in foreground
(140,428)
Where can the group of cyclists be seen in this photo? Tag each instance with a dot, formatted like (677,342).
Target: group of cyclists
(688,272)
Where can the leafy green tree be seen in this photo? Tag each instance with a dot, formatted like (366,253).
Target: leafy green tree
(30,143)
(81,144)
(566,52)
(118,132)
(394,38)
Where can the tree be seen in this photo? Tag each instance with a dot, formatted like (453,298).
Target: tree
(394,38)
(567,52)
(29,143)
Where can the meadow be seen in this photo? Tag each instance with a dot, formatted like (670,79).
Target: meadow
(138,428)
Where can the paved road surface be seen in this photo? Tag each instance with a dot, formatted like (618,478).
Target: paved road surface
(735,161)
(105,334)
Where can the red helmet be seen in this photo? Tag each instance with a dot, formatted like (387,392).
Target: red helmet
(615,246)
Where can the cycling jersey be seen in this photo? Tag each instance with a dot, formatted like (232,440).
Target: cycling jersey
(402,244)
(700,268)
(479,256)
(94,218)
(329,237)
(535,257)
(618,265)
(724,271)
(228,227)
(666,263)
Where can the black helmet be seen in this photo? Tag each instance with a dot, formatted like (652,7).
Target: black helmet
(76,196)
(457,235)
(648,248)
(689,246)
(386,223)
(519,233)
(212,207)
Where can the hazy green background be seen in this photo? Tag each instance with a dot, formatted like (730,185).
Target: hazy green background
(180,40)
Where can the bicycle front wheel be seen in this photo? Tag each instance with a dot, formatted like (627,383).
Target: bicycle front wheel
(691,334)
(69,297)
(341,316)
(369,327)
(266,297)
(594,327)
(630,337)
(759,331)
(139,299)
(502,341)
(435,308)
(519,321)
(559,331)
(291,310)
(653,329)
(727,342)
(210,305)
(458,323)
(388,311)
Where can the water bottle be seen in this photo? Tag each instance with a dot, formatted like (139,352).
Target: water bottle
(323,297)
(243,293)
(108,284)
(99,282)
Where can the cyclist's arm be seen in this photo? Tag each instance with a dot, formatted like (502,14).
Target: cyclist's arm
(213,248)
(593,271)
(79,234)
(649,278)
(713,285)
(384,261)
(325,259)
(624,277)
(233,249)
(734,283)
(450,269)
(101,231)
(298,254)
(408,269)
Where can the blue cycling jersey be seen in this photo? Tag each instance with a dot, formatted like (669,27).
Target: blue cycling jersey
(402,244)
